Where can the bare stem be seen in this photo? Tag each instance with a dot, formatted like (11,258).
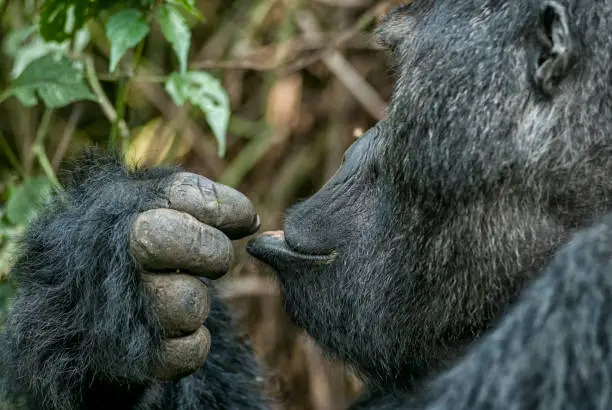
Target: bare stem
(10,155)
(105,104)
(39,149)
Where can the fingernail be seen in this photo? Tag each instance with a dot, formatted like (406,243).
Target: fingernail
(256,224)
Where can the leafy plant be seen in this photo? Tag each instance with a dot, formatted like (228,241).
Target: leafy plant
(57,79)
(205,92)
(53,66)
(50,64)
(125,29)
(25,200)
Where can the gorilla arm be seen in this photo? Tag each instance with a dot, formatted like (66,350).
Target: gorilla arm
(102,319)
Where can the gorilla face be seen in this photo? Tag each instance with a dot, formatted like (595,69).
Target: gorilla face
(439,214)
(337,267)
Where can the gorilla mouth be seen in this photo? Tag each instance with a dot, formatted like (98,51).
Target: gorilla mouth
(272,248)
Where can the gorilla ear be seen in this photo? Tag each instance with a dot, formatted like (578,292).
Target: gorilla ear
(556,47)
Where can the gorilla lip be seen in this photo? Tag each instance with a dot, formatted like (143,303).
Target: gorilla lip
(277,234)
(271,248)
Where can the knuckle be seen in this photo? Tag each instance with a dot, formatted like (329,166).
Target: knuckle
(194,194)
(213,204)
(153,235)
(182,302)
(170,239)
(218,252)
(211,244)
(141,223)
(148,224)
(140,237)
(194,302)
(183,356)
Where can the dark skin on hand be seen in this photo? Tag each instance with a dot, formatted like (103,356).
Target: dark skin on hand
(174,245)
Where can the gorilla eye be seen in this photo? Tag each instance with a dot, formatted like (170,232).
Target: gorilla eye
(357,133)
(357,152)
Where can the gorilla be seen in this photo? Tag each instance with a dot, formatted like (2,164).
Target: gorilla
(460,258)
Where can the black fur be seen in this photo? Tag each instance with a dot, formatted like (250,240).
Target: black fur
(551,351)
(497,148)
(82,333)
(421,263)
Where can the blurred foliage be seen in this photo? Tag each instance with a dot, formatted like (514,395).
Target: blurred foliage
(61,19)
(158,79)
(50,57)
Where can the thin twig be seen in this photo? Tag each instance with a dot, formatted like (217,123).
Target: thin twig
(105,104)
(10,155)
(121,103)
(346,73)
(39,149)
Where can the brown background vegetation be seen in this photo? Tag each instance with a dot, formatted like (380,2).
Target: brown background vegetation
(305,78)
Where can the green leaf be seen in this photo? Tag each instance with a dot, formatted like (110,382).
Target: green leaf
(60,19)
(177,32)
(32,52)
(14,40)
(27,199)
(206,92)
(189,6)
(26,45)
(125,29)
(26,96)
(58,81)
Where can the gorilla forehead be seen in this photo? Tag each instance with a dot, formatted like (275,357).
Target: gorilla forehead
(456,49)
(398,26)
(461,84)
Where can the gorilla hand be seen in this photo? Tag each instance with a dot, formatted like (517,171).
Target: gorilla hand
(102,313)
(191,237)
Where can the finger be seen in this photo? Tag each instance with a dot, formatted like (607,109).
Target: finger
(164,239)
(213,204)
(182,302)
(184,355)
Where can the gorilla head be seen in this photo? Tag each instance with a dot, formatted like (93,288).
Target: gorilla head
(496,147)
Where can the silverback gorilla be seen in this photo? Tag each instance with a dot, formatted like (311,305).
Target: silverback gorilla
(461,257)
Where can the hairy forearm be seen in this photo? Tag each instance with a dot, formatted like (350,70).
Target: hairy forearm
(81,316)
(85,331)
